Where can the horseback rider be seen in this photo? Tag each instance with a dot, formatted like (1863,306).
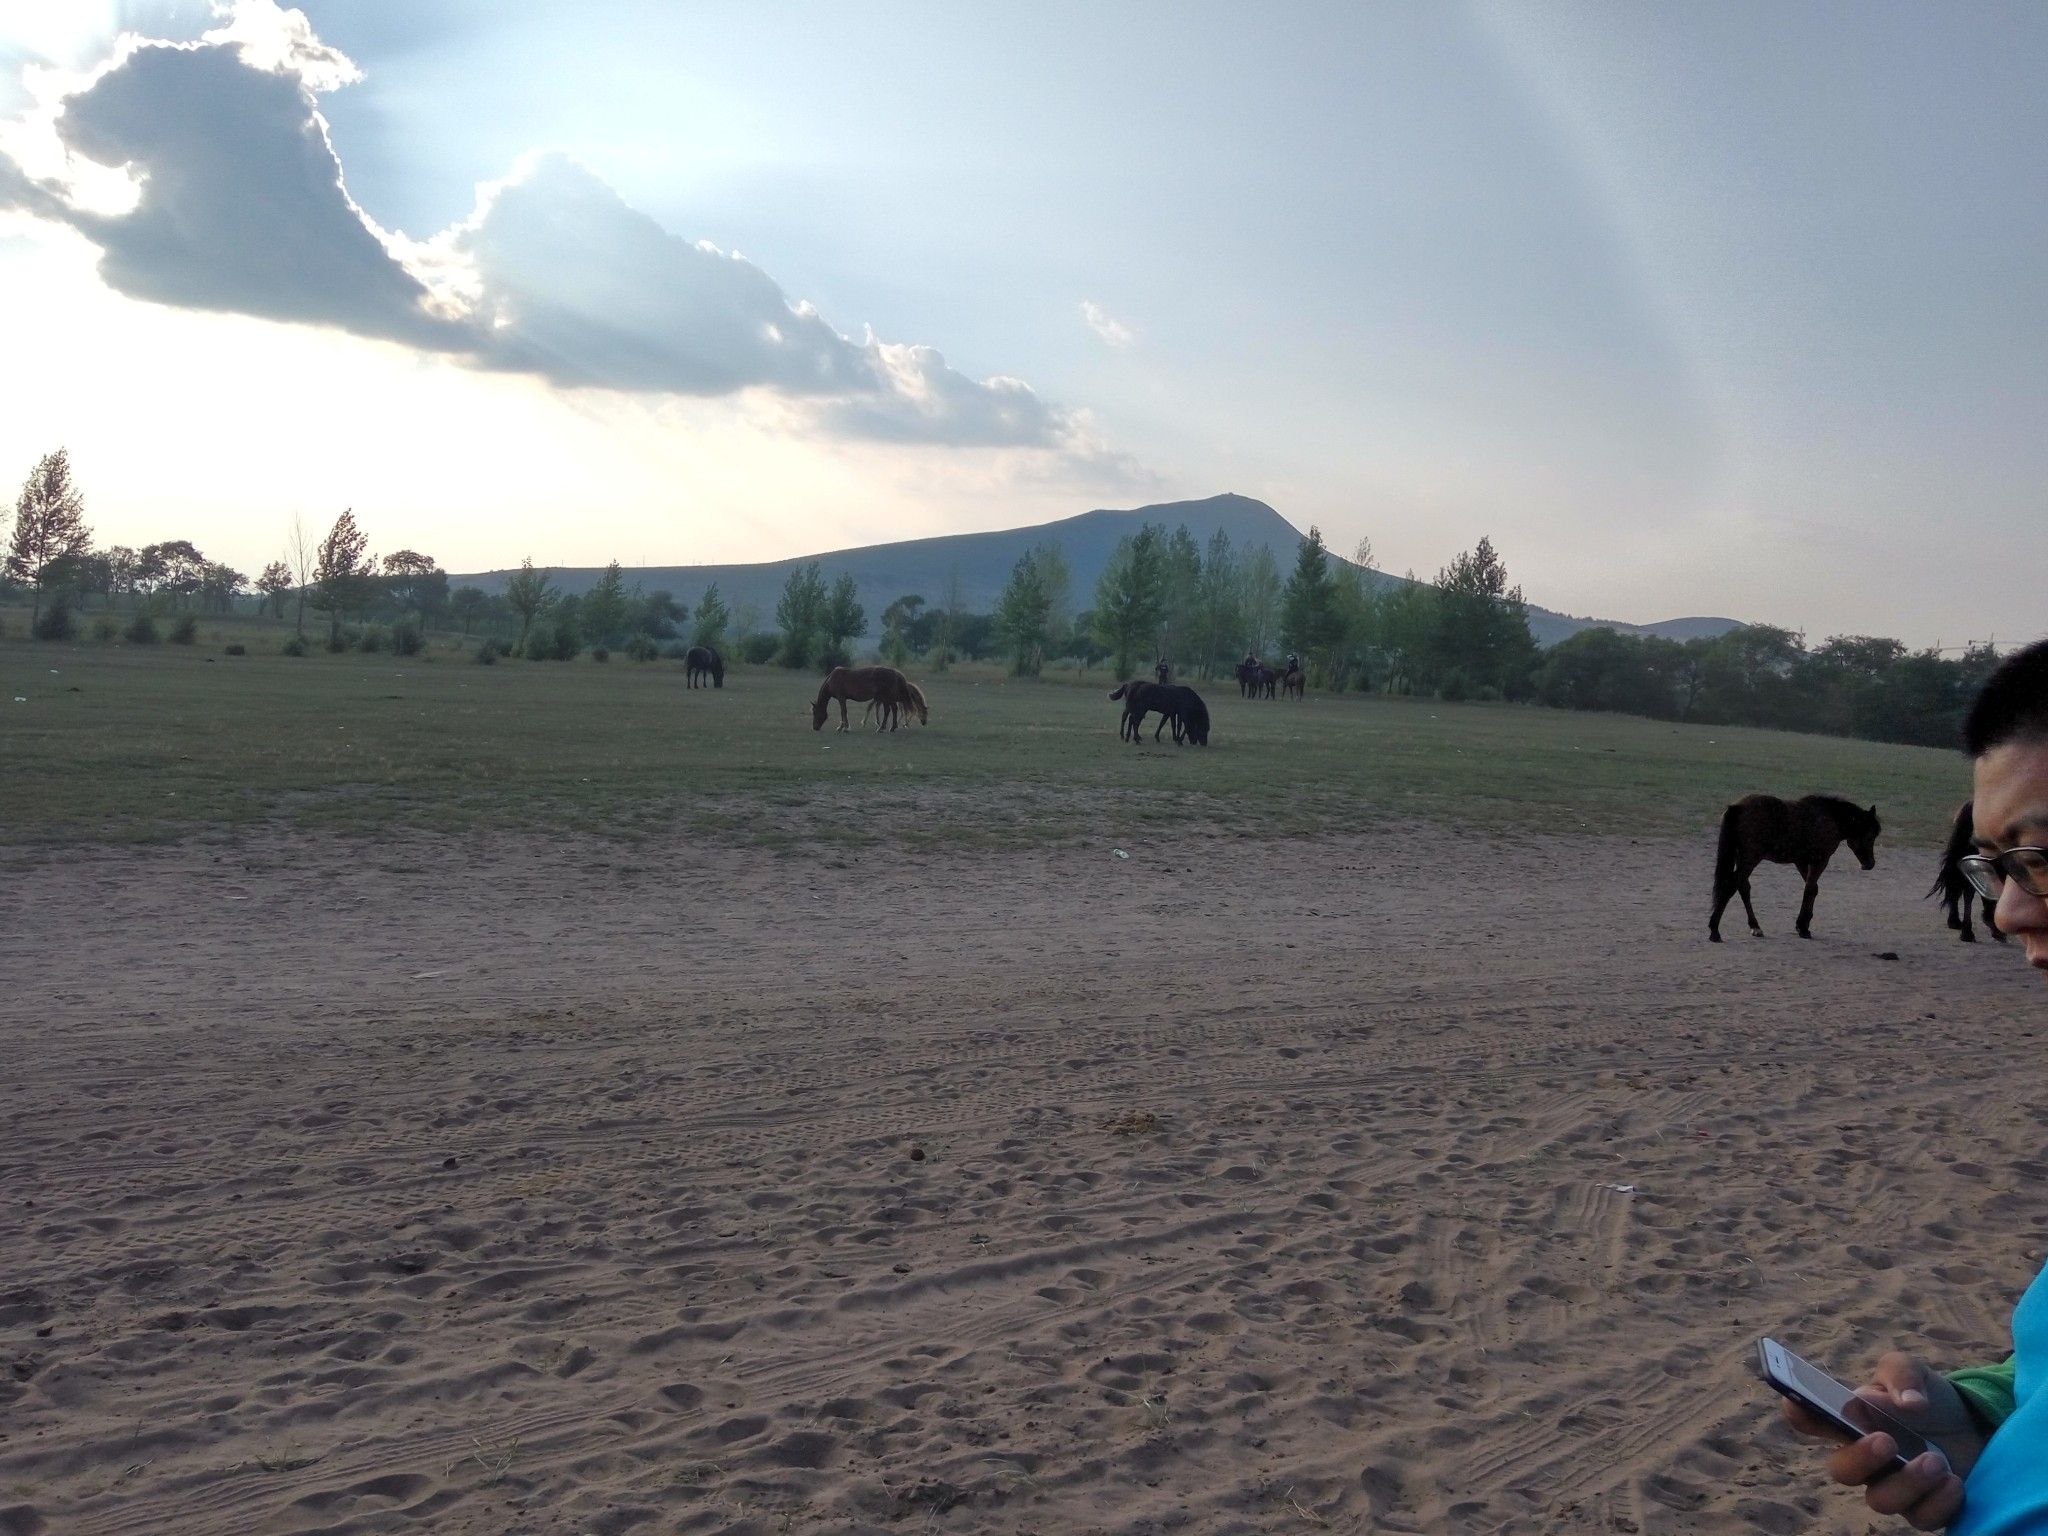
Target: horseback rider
(1293,662)
(1163,672)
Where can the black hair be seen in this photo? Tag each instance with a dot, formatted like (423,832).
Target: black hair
(2013,704)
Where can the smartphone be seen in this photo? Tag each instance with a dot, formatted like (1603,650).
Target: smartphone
(1808,1384)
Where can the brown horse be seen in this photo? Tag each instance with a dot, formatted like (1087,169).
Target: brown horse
(1955,893)
(881,685)
(914,704)
(1803,833)
(1294,683)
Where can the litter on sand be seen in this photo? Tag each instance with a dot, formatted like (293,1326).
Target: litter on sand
(1119,852)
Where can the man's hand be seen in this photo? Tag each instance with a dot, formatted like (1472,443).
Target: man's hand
(1928,1491)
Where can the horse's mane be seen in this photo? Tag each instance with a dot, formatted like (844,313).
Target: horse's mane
(916,693)
(1845,812)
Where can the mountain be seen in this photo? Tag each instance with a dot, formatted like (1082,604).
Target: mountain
(982,562)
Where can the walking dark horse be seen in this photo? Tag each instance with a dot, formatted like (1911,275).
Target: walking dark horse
(882,685)
(1803,833)
(1955,892)
(700,662)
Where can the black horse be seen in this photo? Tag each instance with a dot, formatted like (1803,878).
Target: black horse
(1176,705)
(1803,833)
(700,662)
(1248,676)
(1956,894)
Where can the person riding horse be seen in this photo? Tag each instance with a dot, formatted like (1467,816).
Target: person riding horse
(1163,672)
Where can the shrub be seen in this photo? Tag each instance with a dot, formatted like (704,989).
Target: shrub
(141,630)
(1456,686)
(295,646)
(759,650)
(599,653)
(104,628)
(238,649)
(675,650)
(487,654)
(642,648)
(186,630)
(554,638)
(371,638)
(835,656)
(406,638)
(55,622)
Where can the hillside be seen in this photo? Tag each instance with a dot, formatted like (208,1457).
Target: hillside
(982,563)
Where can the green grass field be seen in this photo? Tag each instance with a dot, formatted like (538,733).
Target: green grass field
(119,743)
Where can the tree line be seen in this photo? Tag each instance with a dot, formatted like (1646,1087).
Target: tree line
(1162,593)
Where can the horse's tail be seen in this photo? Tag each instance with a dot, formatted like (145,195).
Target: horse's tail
(1196,714)
(1118,691)
(1728,855)
(1949,883)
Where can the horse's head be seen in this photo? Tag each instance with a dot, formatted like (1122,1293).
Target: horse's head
(1863,839)
(924,714)
(818,711)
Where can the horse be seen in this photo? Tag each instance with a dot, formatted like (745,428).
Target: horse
(1803,833)
(1956,893)
(1294,683)
(1263,679)
(1247,676)
(1177,705)
(882,685)
(914,701)
(700,662)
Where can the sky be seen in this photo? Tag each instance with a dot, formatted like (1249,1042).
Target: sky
(1737,309)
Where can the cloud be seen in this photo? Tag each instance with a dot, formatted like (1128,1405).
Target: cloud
(238,203)
(1106,325)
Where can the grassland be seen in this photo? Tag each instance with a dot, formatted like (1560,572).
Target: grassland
(119,743)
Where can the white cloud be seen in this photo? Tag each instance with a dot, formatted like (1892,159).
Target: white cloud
(237,202)
(1106,325)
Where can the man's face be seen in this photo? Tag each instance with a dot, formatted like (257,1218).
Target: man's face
(2010,809)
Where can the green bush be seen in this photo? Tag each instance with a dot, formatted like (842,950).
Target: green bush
(371,639)
(186,630)
(238,649)
(104,628)
(55,622)
(642,648)
(141,630)
(295,646)
(759,650)
(675,650)
(554,637)
(599,653)
(487,653)
(406,638)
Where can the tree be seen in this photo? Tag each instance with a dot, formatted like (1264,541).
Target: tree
(800,613)
(899,620)
(415,582)
(946,630)
(1355,601)
(1130,597)
(1183,571)
(219,586)
(656,614)
(1057,577)
(467,605)
(344,575)
(527,592)
(174,569)
(1309,621)
(1218,607)
(1023,617)
(712,617)
(50,537)
(604,608)
(275,584)
(1482,638)
(844,618)
(1260,598)
(301,551)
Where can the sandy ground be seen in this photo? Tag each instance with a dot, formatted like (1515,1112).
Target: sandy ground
(1396,1182)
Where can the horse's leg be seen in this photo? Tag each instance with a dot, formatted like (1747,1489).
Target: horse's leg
(1961,920)
(1812,874)
(844,725)
(1724,892)
(1744,871)
(1991,924)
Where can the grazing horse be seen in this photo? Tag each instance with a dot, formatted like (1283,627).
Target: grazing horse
(881,685)
(1803,833)
(700,662)
(1956,893)
(1177,705)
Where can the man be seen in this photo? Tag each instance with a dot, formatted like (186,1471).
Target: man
(1991,1420)
(1163,672)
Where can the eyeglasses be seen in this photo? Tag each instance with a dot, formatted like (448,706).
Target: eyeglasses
(2025,867)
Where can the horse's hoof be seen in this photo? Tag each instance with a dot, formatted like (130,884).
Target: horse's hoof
(1969,937)
(1713,938)
(1804,934)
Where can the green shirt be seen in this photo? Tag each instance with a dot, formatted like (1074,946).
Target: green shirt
(1988,1390)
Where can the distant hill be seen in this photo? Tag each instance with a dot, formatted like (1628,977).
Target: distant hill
(983,561)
